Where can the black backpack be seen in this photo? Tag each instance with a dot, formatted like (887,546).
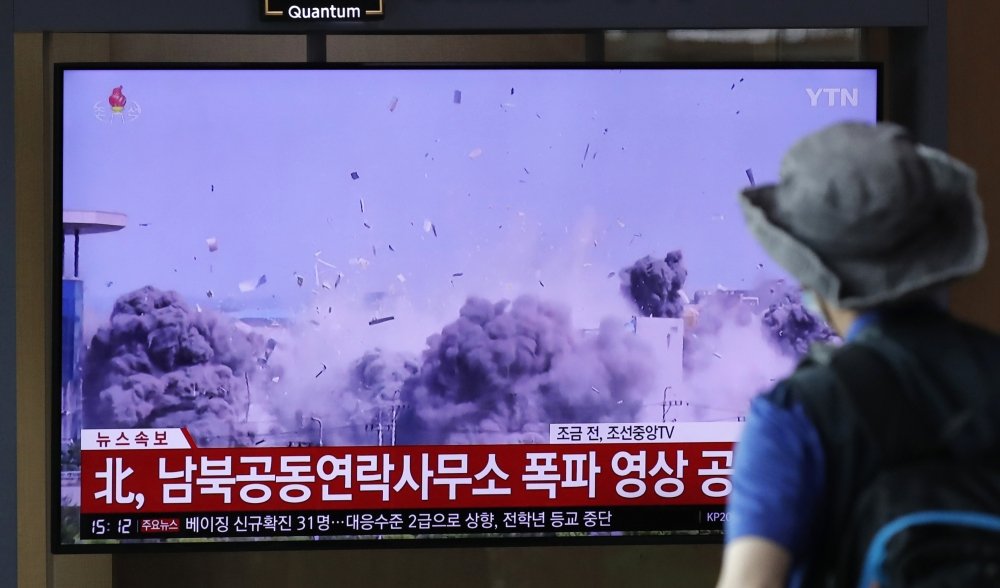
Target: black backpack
(931,517)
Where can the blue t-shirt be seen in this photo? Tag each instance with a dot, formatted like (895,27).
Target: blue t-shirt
(779,477)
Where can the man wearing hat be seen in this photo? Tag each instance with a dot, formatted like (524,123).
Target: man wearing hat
(873,226)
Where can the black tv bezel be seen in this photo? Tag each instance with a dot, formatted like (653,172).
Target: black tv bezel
(512,540)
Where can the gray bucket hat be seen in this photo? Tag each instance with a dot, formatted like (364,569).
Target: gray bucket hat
(864,216)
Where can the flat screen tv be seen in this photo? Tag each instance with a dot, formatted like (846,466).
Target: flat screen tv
(416,305)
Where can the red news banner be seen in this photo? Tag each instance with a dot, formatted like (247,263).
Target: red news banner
(146,471)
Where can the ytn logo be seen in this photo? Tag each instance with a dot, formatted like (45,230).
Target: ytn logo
(848,97)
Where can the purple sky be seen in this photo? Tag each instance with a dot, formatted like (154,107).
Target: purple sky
(665,157)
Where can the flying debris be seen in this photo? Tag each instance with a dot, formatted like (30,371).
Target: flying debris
(457,98)
(268,350)
(526,171)
(362,202)
(213,187)
(143,224)
(621,223)
(320,372)
(261,281)
(213,244)
(434,229)
(586,151)
(337,283)
(325,285)
(541,283)
(427,226)
(457,274)
(611,274)
(717,355)
(379,321)
(475,153)
(760,266)
(750,177)
(247,286)
(354,175)
(209,293)
(401,278)
(391,249)
(512,91)
(393,103)
(324,262)
(299,280)
(733,87)
(594,388)
(634,237)
(367,226)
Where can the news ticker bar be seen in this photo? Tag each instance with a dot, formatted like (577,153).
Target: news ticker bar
(388,523)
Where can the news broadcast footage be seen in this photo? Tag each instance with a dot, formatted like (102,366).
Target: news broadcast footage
(371,304)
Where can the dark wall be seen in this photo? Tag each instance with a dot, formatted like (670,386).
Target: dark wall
(8,375)
(974,136)
(690,566)
(472,15)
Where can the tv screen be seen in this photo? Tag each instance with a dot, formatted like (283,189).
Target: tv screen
(358,306)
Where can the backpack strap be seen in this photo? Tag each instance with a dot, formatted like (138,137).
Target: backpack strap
(898,423)
(849,393)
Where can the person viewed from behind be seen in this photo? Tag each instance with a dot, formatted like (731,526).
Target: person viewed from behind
(904,417)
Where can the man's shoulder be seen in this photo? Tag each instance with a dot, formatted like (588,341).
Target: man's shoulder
(814,377)
(918,331)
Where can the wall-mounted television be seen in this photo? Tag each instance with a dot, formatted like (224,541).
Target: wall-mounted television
(416,305)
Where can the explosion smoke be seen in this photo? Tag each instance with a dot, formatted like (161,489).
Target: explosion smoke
(654,285)
(364,397)
(793,328)
(503,372)
(158,363)
(372,394)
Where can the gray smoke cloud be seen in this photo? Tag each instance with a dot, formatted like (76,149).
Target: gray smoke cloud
(654,285)
(158,363)
(504,371)
(369,403)
(728,356)
(793,328)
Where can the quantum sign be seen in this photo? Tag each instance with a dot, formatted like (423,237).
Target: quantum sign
(320,11)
